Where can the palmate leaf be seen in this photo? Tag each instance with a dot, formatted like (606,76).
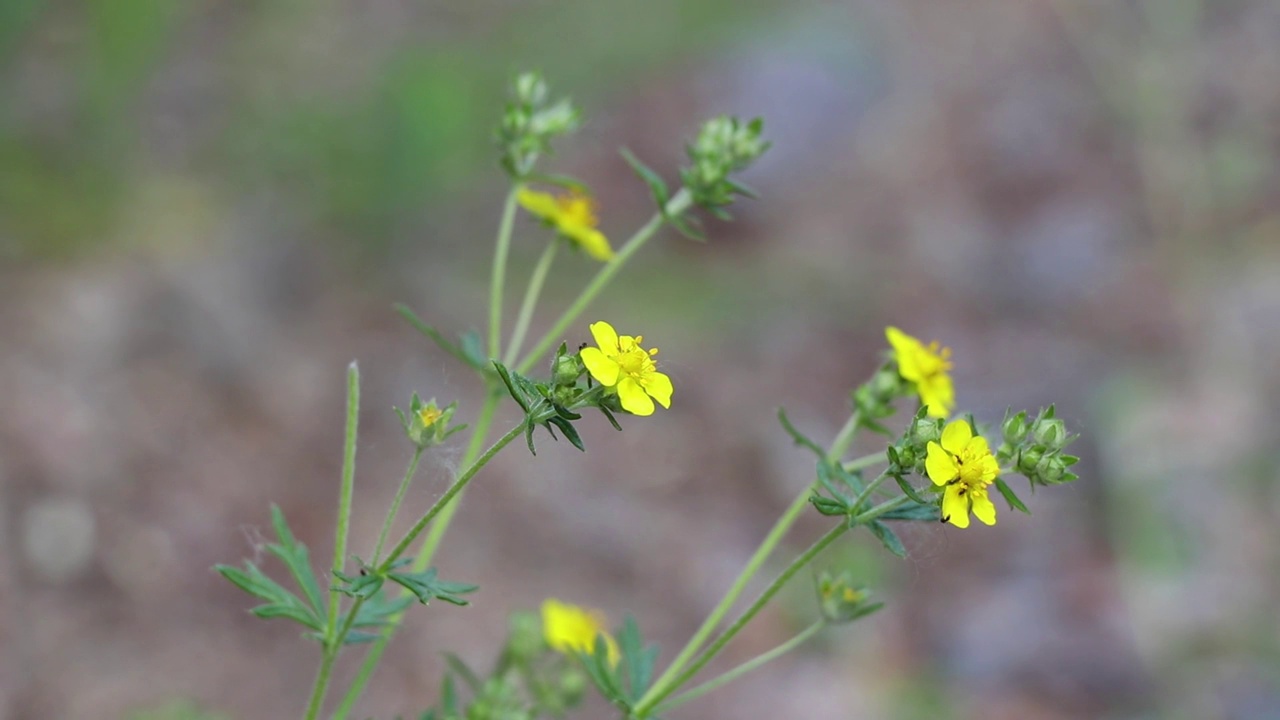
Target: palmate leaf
(426,587)
(281,602)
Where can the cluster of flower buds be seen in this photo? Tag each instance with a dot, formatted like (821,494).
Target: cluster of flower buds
(874,399)
(1034,448)
(724,146)
(909,453)
(427,424)
(529,123)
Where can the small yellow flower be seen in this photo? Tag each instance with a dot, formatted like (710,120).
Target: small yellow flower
(925,366)
(569,629)
(572,215)
(429,414)
(963,463)
(621,363)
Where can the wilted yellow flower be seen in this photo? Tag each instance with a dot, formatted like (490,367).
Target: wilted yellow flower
(963,463)
(569,629)
(621,363)
(926,367)
(572,215)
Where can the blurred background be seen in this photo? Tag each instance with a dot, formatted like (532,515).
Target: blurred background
(207,210)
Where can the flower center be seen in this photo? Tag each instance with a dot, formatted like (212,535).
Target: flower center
(634,360)
(577,209)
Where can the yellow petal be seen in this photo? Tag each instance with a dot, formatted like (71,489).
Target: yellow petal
(659,388)
(955,508)
(542,204)
(603,368)
(592,241)
(977,447)
(605,336)
(906,349)
(634,399)
(939,464)
(983,508)
(955,436)
(937,394)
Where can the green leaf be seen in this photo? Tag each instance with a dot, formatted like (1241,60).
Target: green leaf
(567,428)
(563,181)
(1010,497)
(426,587)
(687,226)
(829,507)
(361,585)
(657,186)
(639,659)
(295,557)
(799,438)
(888,538)
(612,420)
(439,339)
(910,491)
(473,351)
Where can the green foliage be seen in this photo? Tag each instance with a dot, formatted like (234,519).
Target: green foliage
(280,602)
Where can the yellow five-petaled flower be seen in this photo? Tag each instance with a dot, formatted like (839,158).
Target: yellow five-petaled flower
(572,629)
(572,215)
(964,465)
(926,367)
(622,364)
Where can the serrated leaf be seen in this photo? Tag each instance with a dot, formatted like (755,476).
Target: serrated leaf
(657,186)
(291,611)
(295,557)
(1010,497)
(358,585)
(798,437)
(888,537)
(426,587)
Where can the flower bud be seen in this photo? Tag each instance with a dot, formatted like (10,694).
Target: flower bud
(840,601)
(572,686)
(1028,459)
(566,369)
(524,639)
(1050,433)
(529,89)
(925,430)
(1015,429)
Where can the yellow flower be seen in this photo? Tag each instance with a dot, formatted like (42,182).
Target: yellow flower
(621,363)
(429,414)
(964,464)
(569,629)
(572,215)
(925,366)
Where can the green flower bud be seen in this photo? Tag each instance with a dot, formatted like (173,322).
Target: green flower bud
(530,89)
(524,639)
(724,146)
(840,601)
(923,431)
(427,424)
(1015,429)
(1028,459)
(566,369)
(572,685)
(1050,433)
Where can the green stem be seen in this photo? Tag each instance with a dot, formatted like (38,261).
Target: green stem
(840,445)
(742,669)
(875,512)
(330,646)
(870,488)
(478,434)
(498,279)
(789,516)
(866,461)
(536,280)
(448,496)
(646,704)
(396,502)
(676,205)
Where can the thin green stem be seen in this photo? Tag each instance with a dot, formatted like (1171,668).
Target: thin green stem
(447,497)
(478,435)
(840,445)
(676,205)
(499,277)
(536,279)
(646,705)
(331,644)
(664,683)
(344,493)
(742,669)
(396,502)
(866,461)
(875,512)
(870,488)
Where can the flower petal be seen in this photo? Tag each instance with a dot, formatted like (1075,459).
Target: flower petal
(956,435)
(658,385)
(983,508)
(939,465)
(907,350)
(634,399)
(955,507)
(542,204)
(603,368)
(605,336)
(937,394)
(592,241)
